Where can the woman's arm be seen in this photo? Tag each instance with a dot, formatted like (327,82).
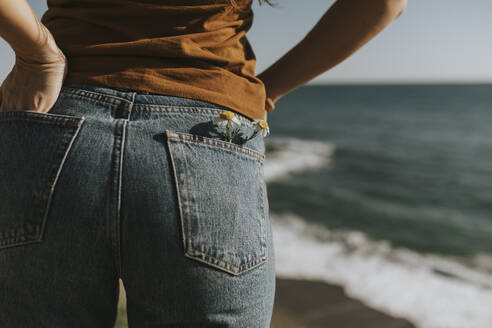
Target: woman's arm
(21,28)
(40,66)
(343,29)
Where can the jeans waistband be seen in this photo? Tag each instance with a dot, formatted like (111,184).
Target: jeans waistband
(139,99)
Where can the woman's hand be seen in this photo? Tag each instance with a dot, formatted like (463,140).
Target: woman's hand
(36,79)
(40,66)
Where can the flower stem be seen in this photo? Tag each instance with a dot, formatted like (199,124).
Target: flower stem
(234,133)
(250,137)
(228,131)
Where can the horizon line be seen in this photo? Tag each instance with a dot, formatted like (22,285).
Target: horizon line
(401,82)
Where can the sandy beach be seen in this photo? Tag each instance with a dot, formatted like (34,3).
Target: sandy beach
(311,304)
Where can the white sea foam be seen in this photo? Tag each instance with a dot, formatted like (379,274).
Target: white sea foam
(432,291)
(290,155)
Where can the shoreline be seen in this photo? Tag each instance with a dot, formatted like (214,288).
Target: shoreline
(317,304)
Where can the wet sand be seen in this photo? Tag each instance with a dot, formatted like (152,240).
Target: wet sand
(313,304)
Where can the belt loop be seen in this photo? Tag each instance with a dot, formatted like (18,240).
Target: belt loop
(130,107)
(124,109)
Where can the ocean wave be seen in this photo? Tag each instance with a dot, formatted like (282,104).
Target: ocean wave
(432,291)
(286,155)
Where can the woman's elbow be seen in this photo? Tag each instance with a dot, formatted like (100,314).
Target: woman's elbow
(402,5)
(395,7)
(390,8)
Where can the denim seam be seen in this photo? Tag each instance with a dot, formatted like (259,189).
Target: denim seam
(98,101)
(43,119)
(187,238)
(214,143)
(122,149)
(120,182)
(241,268)
(226,262)
(180,205)
(113,218)
(131,106)
(52,188)
(263,216)
(111,100)
(190,232)
(92,95)
(198,110)
(186,185)
(236,273)
(44,213)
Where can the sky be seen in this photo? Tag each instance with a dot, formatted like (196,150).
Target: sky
(434,41)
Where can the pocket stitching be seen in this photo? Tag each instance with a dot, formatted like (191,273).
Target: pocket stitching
(57,175)
(178,193)
(194,110)
(259,260)
(211,142)
(7,243)
(41,117)
(187,240)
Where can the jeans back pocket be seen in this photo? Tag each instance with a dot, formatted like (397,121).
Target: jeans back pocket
(221,198)
(33,148)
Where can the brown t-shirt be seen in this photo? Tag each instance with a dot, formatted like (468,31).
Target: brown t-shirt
(187,48)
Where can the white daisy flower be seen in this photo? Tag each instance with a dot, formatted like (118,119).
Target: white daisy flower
(226,119)
(261,128)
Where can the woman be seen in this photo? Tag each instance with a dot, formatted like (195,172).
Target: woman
(131,142)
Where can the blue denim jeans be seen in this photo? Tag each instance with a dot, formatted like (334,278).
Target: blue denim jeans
(113,183)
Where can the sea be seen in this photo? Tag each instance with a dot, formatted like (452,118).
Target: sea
(386,190)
